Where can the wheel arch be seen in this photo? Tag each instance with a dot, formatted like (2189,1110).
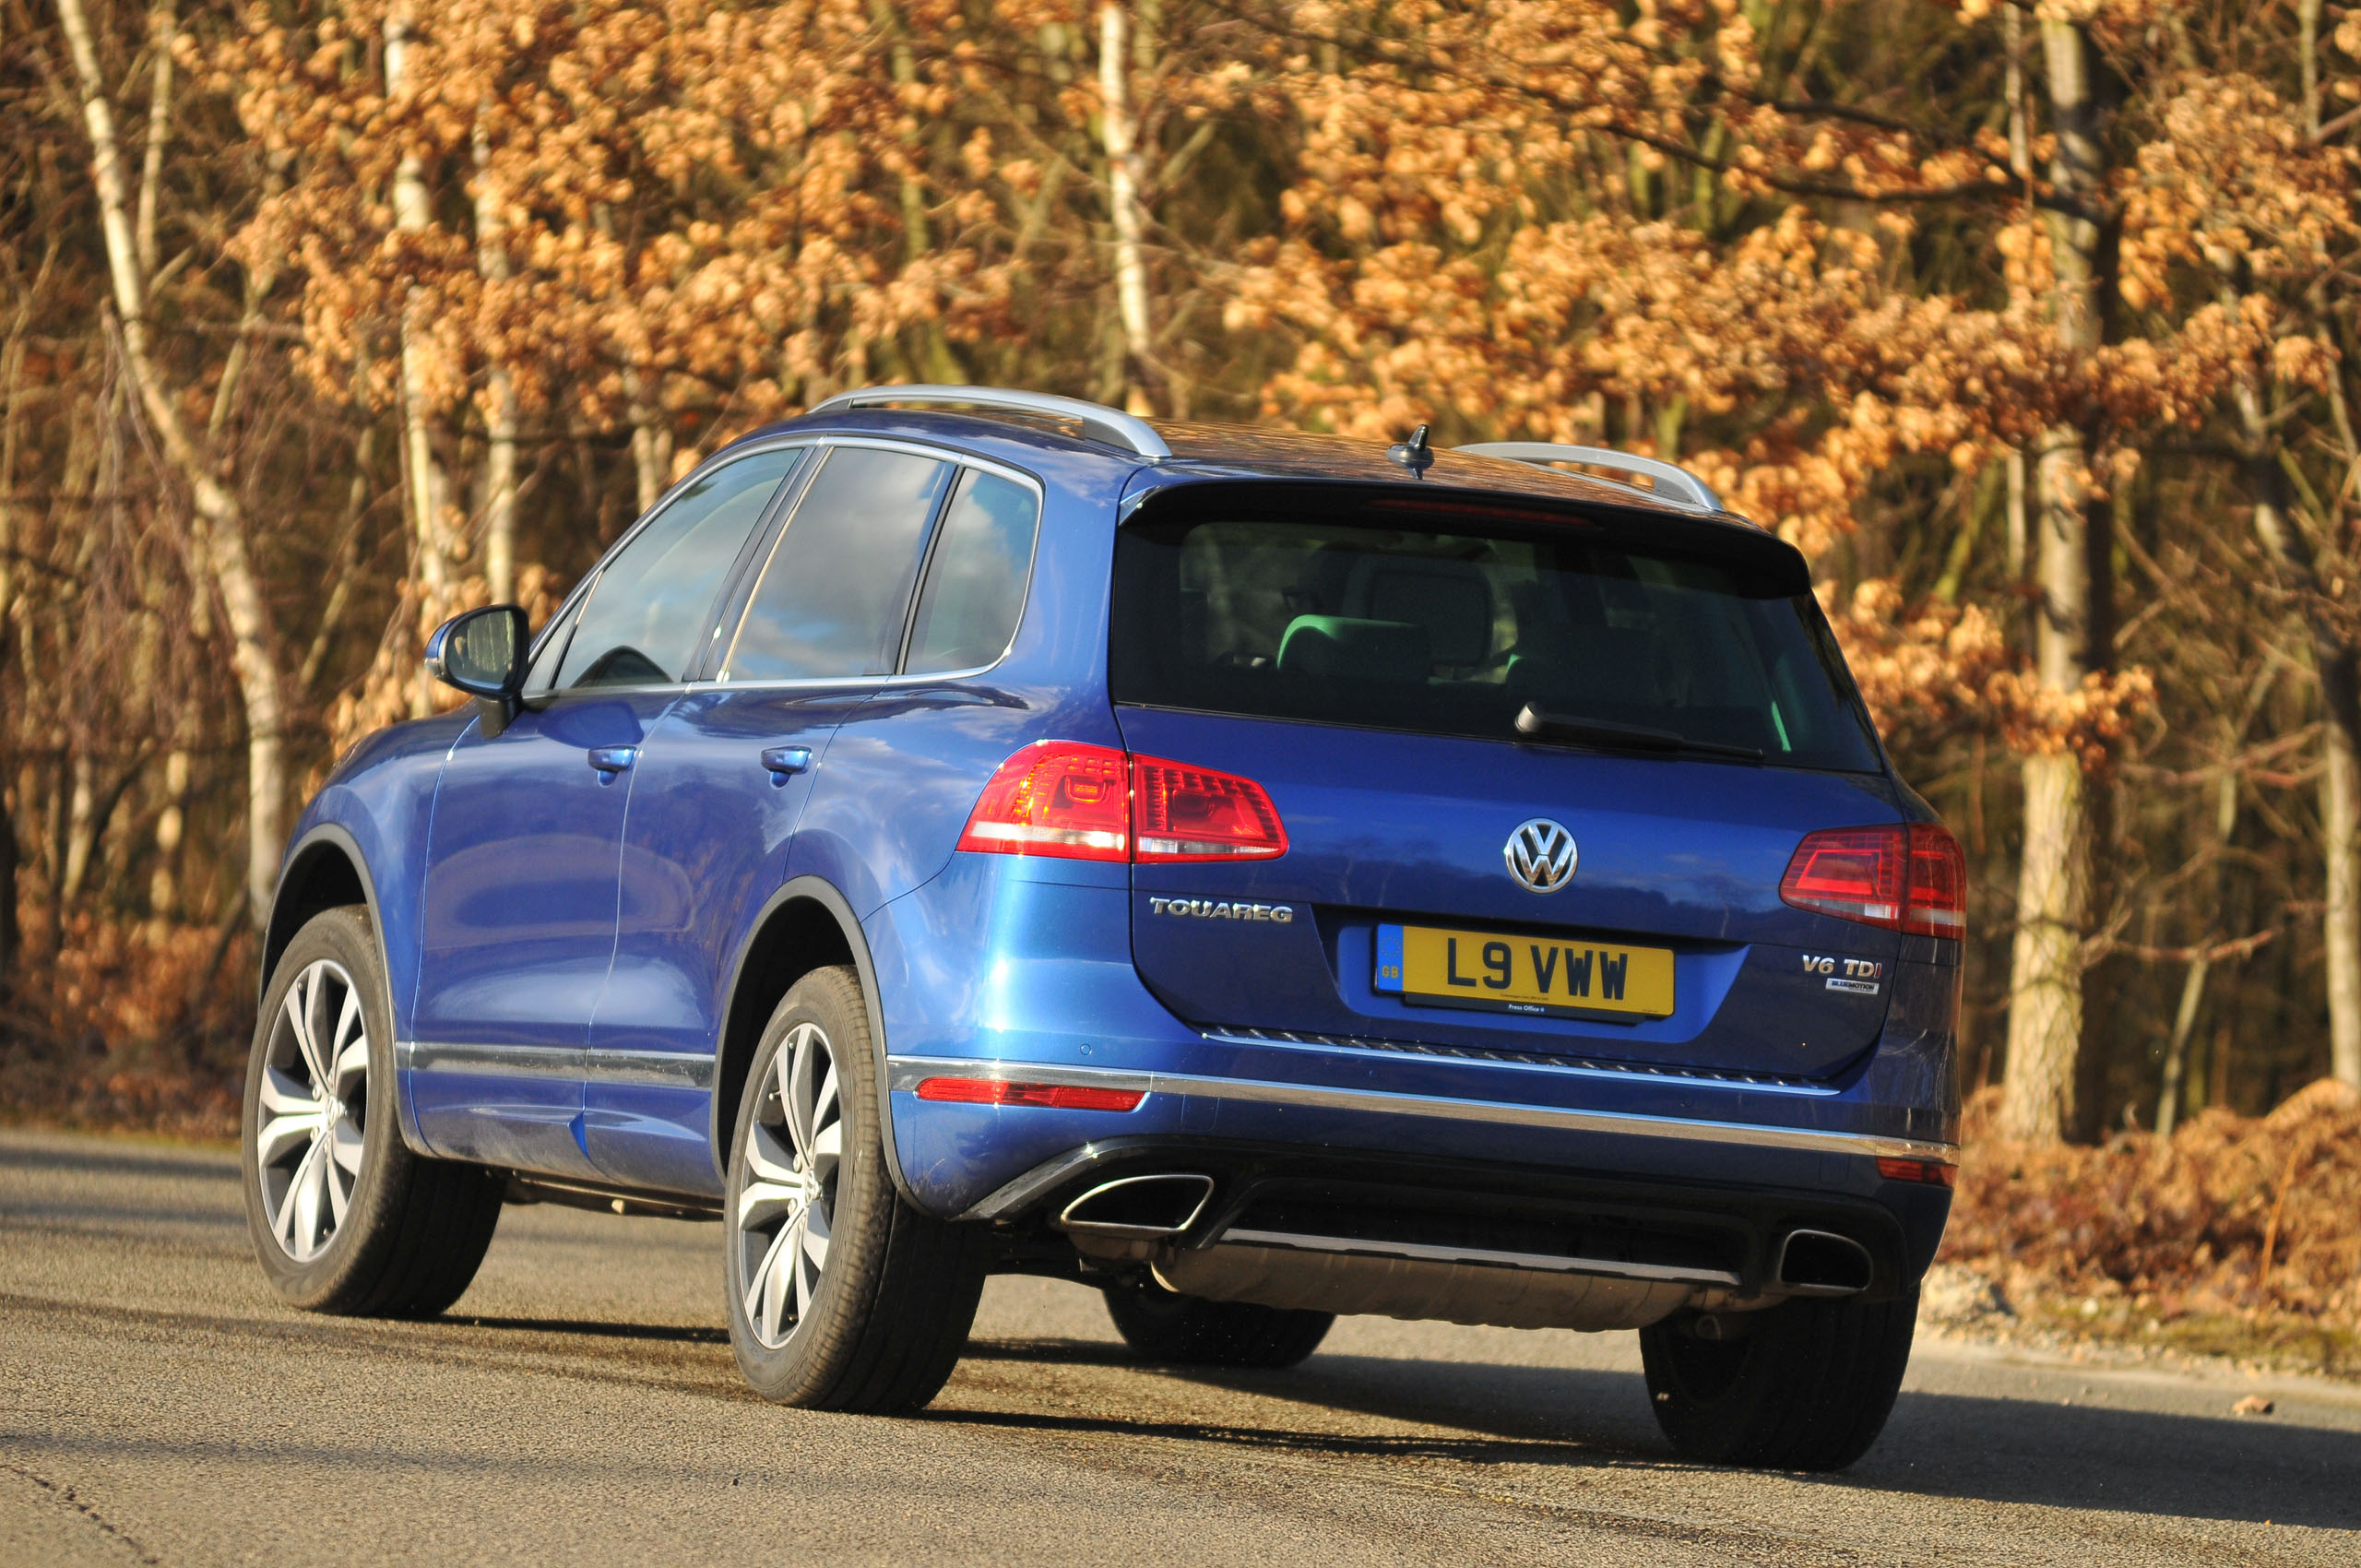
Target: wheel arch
(806,925)
(324,871)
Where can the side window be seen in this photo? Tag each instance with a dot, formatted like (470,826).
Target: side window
(974,579)
(832,596)
(639,625)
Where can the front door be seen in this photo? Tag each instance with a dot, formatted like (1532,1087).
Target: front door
(519,925)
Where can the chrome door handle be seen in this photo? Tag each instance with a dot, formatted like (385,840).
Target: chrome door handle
(612,760)
(785,762)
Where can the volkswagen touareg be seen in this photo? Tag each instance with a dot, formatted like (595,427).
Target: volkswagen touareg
(1260,876)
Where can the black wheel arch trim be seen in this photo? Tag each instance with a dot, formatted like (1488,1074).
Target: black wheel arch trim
(280,929)
(816,890)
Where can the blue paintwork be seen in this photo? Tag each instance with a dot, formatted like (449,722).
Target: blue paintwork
(523,901)
(519,922)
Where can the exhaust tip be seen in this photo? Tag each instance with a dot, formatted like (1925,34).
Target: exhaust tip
(1139,1207)
(1818,1262)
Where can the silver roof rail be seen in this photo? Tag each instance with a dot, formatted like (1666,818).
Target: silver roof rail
(1099,421)
(1687,489)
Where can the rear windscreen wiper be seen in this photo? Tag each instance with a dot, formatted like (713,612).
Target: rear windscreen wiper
(1541,725)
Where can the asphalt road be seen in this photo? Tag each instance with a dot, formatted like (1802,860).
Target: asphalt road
(580,1406)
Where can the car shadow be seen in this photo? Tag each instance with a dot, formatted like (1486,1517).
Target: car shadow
(1937,1444)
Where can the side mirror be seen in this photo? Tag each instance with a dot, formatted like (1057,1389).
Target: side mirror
(481,652)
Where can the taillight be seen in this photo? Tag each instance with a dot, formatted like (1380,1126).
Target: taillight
(1181,813)
(1050,1097)
(1085,803)
(1056,798)
(1908,877)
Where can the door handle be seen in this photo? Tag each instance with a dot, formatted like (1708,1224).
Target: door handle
(612,760)
(785,762)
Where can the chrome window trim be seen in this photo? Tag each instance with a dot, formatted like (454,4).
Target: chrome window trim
(958,460)
(906,1073)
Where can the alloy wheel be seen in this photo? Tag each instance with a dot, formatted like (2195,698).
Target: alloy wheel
(786,1201)
(310,1132)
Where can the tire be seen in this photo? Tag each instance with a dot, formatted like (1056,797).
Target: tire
(1809,1389)
(841,1295)
(344,1218)
(1163,1326)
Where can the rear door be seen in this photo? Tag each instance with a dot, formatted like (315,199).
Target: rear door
(518,923)
(1603,886)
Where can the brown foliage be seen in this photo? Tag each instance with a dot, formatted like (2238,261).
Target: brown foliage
(2236,1214)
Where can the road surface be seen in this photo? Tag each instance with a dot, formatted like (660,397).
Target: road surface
(580,1407)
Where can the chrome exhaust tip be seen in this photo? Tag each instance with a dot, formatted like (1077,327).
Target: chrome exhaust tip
(1819,1262)
(1139,1208)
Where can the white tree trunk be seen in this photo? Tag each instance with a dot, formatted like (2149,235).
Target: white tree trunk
(219,522)
(500,457)
(1120,135)
(2045,973)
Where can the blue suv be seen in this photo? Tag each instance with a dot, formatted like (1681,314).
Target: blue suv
(1257,875)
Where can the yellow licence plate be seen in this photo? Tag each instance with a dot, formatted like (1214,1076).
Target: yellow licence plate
(1535,975)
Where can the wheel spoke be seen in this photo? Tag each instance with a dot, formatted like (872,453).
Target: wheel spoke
(333,1185)
(282,1095)
(297,1007)
(345,1145)
(807,1273)
(758,1281)
(815,1239)
(759,1203)
(798,1085)
(828,1149)
(307,1201)
(279,1133)
(768,1160)
(779,1288)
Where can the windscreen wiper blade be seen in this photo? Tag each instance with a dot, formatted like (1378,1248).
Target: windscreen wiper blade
(1538,724)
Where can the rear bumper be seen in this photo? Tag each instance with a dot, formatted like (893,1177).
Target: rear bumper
(1022,971)
(1475,1241)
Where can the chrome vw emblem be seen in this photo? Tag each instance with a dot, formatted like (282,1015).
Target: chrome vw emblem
(1541,856)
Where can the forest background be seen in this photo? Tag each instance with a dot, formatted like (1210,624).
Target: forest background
(2034,327)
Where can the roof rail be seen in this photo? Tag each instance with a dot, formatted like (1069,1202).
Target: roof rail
(1099,421)
(1690,491)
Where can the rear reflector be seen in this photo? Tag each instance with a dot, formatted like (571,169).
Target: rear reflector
(1934,1172)
(1048,1096)
(1076,801)
(1908,877)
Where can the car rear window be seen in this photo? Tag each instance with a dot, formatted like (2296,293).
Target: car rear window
(1453,624)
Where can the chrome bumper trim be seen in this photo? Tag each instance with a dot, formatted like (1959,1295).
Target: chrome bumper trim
(906,1072)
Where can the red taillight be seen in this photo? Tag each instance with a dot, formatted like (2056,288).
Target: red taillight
(1938,903)
(1095,803)
(1908,878)
(1051,1096)
(1934,1172)
(1181,813)
(1056,798)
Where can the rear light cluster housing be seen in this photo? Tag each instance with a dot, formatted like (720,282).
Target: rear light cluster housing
(1904,876)
(1083,802)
